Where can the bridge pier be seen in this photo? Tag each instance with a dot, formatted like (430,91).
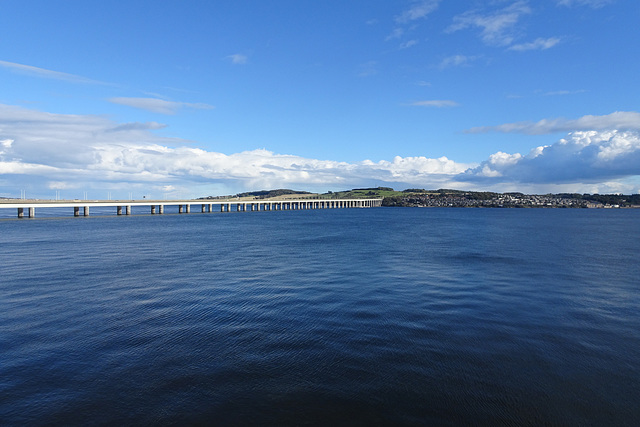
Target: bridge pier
(185,206)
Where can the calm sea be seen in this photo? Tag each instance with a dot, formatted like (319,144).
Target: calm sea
(386,316)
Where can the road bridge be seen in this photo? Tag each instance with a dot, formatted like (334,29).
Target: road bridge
(123,207)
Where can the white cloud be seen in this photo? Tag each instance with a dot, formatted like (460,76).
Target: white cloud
(395,34)
(497,28)
(408,44)
(238,59)
(592,156)
(456,61)
(439,103)
(95,151)
(621,120)
(47,74)
(406,20)
(563,92)
(537,44)
(89,152)
(156,105)
(595,4)
(418,10)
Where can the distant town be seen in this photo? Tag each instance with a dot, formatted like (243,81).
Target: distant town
(456,198)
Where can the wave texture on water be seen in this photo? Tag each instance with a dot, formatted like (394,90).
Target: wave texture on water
(366,317)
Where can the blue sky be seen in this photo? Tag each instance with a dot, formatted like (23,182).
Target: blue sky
(193,98)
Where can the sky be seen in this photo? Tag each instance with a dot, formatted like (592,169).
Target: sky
(176,99)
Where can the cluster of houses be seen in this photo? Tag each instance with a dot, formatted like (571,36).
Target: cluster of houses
(509,200)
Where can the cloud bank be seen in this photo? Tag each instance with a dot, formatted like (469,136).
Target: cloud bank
(60,151)
(73,151)
(583,156)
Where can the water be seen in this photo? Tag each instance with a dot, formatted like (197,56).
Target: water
(386,316)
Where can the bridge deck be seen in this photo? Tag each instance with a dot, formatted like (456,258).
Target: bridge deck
(184,206)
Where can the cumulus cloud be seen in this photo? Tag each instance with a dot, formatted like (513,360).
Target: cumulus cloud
(496,28)
(93,149)
(156,105)
(65,151)
(621,120)
(537,44)
(583,156)
(47,74)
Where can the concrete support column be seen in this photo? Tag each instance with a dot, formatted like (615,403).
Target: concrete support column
(203,208)
(32,212)
(119,210)
(161,209)
(86,211)
(153,209)
(128,210)
(20,212)
(179,208)
(187,208)
(210,207)
(76,211)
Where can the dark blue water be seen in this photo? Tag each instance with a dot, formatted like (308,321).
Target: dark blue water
(380,316)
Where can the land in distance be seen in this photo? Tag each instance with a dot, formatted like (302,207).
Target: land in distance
(413,197)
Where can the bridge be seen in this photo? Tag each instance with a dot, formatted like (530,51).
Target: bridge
(123,207)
